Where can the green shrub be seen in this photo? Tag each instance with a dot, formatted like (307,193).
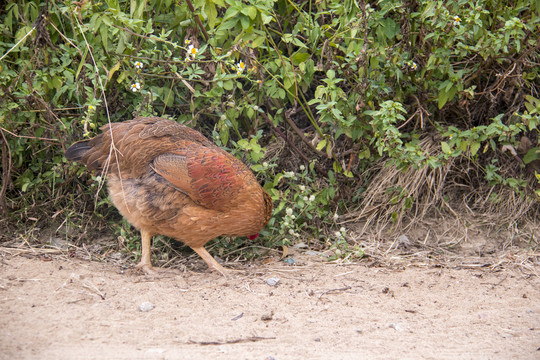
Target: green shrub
(346,84)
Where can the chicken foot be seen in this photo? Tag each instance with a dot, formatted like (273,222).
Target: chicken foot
(212,263)
(146,261)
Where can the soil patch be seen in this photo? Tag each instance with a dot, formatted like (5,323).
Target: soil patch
(76,309)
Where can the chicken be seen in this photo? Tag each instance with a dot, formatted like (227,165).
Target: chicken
(168,179)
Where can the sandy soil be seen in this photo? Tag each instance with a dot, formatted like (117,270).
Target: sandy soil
(75,309)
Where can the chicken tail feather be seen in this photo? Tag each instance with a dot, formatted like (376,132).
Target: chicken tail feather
(76,151)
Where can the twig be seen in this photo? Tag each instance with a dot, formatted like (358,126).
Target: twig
(17,44)
(6,172)
(235,341)
(65,38)
(88,285)
(284,137)
(18,251)
(25,136)
(499,283)
(198,20)
(333,291)
(291,123)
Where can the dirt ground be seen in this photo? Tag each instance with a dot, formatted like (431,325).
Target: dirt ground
(60,308)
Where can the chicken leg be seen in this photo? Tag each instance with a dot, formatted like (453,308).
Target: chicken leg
(212,263)
(146,260)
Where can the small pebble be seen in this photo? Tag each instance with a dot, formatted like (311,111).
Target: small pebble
(267,317)
(155,351)
(315,253)
(146,306)
(396,326)
(403,242)
(289,260)
(272,281)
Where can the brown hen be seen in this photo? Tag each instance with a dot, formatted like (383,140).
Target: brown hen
(168,179)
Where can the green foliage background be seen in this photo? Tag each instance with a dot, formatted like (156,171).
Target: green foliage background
(343,84)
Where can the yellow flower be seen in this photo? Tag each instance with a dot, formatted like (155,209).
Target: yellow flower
(187,41)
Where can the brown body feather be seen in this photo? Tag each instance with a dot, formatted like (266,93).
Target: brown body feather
(168,179)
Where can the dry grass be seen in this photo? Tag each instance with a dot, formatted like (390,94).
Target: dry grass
(397,201)
(398,198)
(438,217)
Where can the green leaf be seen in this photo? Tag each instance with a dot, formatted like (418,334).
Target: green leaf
(445,147)
(257,41)
(245,22)
(463,145)
(244,144)
(429,11)
(531,155)
(211,13)
(443,98)
(266,18)
(252,12)
(104,32)
(299,58)
(337,167)
(390,28)
(113,70)
(231,12)
(475,146)
(228,85)
(321,144)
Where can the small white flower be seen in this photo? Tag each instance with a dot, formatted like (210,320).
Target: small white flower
(293,217)
(240,67)
(312,198)
(338,234)
(288,211)
(138,64)
(336,216)
(187,41)
(192,51)
(285,223)
(306,198)
(291,231)
(302,168)
(342,229)
(136,87)
(302,188)
(265,165)
(457,20)
(414,66)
